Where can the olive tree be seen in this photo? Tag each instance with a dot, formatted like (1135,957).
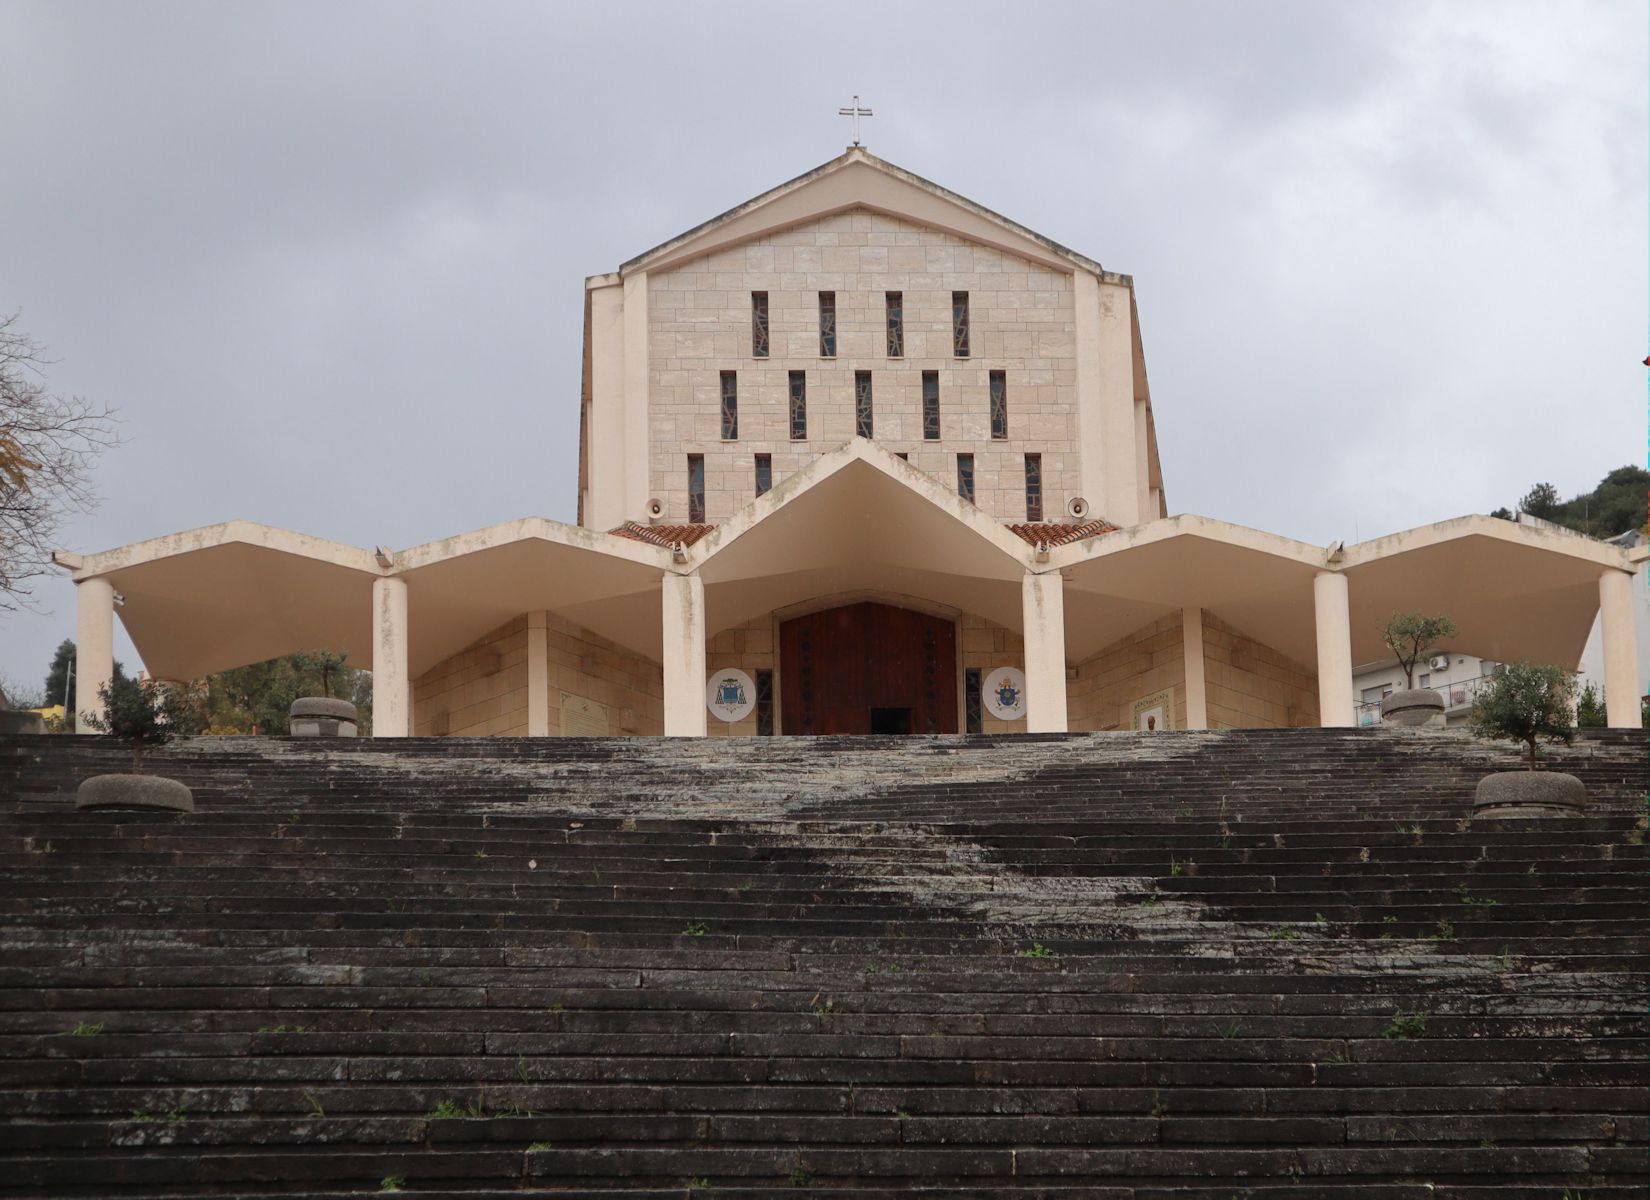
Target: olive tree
(1410,635)
(1525,702)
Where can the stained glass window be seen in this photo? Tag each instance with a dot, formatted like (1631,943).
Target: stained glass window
(827,324)
(965,476)
(931,406)
(730,405)
(973,701)
(696,488)
(764,704)
(799,406)
(1034,487)
(896,324)
(999,404)
(764,473)
(959,324)
(759,324)
(863,423)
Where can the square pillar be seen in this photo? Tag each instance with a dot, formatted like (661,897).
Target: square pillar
(1332,610)
(391,690)
(538,674)
(1197,687)
(94,646)
(684,655)
(1043,600)
(1621,655)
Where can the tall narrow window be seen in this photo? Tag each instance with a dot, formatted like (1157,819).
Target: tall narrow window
(863,423)
(959,324)
(895,302)
(799,406)
(827,324)
(965,477)
(764,473)
(999,405)
(696,489)
(1034,487)
(764,703)
(730,406)
(759,324)
(973,701)
(931,406)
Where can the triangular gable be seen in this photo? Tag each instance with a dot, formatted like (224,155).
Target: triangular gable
(860,180)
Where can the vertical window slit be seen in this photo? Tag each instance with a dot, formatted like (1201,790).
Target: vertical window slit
(965,476)
(730,406)
(759,324)
(799,406)
(973,701)
(864,422)
(999,405)
(764,473)
(827,324)
(696,489)
(959,324)
(1034,487)
(931,406)
(895,302)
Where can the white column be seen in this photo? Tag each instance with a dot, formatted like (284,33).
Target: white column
(1197,688)
(684,652)
(1621,685)
(391,692)
(538,674)
(1333,612)
(94,646)
(1043,602)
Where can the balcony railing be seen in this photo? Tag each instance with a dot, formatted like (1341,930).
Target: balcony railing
(1457,697)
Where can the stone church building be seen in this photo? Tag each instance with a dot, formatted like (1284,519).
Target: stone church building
(857,456)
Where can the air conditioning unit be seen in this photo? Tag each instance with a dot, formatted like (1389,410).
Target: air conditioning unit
(655,508)
(1438,662)
(1077,507)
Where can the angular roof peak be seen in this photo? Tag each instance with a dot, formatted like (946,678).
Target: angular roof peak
(858,179)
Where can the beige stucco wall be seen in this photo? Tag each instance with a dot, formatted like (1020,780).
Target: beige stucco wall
(482,690)
(1021,322)
(1252,686)
(479,692)
(1148,660)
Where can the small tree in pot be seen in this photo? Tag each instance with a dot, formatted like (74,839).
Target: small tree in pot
(1409,636)
(322,716)
(148,715)
(1528,703)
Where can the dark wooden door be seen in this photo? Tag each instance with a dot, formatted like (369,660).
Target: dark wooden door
(868,667)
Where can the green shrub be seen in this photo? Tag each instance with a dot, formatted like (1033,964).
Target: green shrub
(1590,709)
(145,713)
(1526,702)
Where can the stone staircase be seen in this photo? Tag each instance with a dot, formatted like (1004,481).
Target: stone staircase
(1201,965)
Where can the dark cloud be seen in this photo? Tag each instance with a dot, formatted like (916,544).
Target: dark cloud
(328,258)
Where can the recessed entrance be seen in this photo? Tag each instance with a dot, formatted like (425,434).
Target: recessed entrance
(868,668)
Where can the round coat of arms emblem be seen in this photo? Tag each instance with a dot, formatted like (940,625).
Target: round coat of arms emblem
(1005,693)
(730,695)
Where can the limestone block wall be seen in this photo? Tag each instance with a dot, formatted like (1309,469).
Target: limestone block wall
(479,692)
(630,687)
(1252,686)
(988,646)
(1022,322)
(1148,660)
(751,647)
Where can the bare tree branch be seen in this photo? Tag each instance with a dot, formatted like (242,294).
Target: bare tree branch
(48,443)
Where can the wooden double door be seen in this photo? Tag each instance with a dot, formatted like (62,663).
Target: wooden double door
(868,668)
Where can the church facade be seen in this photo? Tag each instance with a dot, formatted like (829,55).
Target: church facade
(857,456)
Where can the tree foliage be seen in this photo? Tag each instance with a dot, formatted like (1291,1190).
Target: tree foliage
(1615,506)
(1590,709)
(254,699)
(1525,702)
(60,676)
(48,442)
(146,713)
(1410,635)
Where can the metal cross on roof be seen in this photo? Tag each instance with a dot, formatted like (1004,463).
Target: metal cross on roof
(856,112)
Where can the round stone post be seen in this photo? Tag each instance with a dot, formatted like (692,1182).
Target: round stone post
(94,646)
(1333,612)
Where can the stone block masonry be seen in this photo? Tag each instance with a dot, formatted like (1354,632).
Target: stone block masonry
(1022,323)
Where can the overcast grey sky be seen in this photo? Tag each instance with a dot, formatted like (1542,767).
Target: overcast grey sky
(327,258)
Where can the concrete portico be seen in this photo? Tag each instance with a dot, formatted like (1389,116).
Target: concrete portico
(856,391)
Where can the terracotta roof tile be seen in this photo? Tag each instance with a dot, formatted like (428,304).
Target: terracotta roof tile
(1040,534)
(663,535)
